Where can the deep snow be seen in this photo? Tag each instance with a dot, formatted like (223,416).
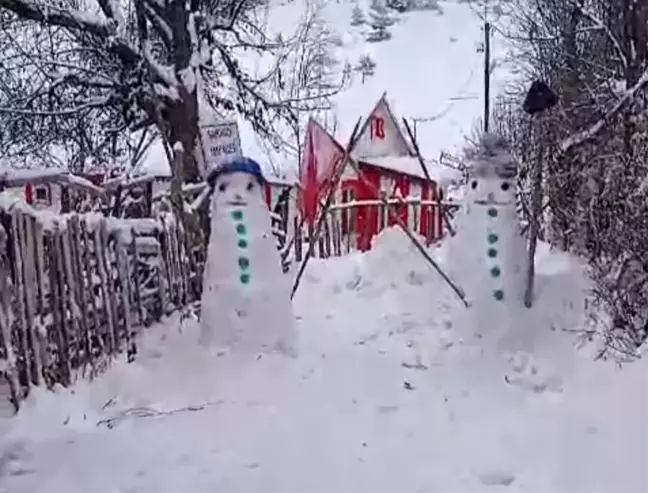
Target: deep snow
(383,397)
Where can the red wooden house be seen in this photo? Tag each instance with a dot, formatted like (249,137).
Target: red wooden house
(388,163)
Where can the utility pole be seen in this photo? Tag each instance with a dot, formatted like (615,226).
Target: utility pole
(487,29)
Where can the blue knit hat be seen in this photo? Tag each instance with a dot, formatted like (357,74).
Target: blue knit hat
(237,165)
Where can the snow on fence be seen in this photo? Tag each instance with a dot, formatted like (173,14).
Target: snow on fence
(75,289)
(341,229)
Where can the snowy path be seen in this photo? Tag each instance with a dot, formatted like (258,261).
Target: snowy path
(345,416)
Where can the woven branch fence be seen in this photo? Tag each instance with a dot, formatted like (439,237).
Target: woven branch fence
(75,290)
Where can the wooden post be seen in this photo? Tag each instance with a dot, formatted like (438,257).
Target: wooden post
(23,332)
(82,287)
(297,238)
(58,308)
(105,277)
(182,261)
(487,29)
(135,263)
(124,289)
(31,290)
(534,229)
(94,319)
(6,315)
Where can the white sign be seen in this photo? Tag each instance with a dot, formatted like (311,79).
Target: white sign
(221,143)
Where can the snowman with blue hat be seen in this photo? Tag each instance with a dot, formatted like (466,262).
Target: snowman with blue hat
(246,303)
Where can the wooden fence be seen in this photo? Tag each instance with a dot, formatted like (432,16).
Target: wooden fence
(75,289)
(333,241)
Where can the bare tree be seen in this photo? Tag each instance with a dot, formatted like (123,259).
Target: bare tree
(79,75)
(310,78)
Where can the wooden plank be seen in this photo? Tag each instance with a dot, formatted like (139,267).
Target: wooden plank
(83,286)
(41,276)
(42,282)
(94,319)
(182,262)
(124,290)
(102,269)
(6,318)
(137,293)
(175,266)
(57,307)
(31,293)
(298,240)
(166,285)
(74,284)
(327,236)
(19,282)
(67,309)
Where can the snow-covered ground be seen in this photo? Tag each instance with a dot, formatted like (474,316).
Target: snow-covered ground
(388,392)
(383,397)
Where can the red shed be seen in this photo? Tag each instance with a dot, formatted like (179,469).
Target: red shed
(388,163)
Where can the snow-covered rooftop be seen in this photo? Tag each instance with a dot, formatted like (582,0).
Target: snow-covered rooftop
(410,165)
(20,176)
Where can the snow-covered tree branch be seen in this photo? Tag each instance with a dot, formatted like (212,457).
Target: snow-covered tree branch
(109,67)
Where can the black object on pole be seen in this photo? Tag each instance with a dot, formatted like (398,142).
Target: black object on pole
(539,98)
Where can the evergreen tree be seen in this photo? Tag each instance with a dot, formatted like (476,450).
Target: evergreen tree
(357,16)
(380,20)
(366,66)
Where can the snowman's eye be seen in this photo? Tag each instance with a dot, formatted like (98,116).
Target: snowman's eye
(222,187)
(250,186)
(473,185)
(505,186)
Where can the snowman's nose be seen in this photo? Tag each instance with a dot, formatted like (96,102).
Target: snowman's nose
(491,196)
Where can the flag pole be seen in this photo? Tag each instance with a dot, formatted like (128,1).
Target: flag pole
(333,186)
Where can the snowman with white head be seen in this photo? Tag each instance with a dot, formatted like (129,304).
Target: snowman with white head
(246,303)
(488,254)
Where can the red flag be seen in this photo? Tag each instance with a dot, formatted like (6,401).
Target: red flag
(322,156)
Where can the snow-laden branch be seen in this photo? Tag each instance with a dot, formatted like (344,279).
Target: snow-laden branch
(601,26)
(591,132)
(76,20)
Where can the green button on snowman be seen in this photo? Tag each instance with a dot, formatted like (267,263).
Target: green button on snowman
(242,244)
(246,296)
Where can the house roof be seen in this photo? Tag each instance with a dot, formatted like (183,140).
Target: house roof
(406,165)
(15,177)
(400,135)
(411,166)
